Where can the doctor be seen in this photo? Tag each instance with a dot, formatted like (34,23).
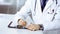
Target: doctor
(46,13)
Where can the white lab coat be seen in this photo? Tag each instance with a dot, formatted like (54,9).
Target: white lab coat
(38,17)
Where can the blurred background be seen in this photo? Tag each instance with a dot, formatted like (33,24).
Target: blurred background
(10,6)
(7,10)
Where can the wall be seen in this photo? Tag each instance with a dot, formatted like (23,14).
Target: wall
(11,9)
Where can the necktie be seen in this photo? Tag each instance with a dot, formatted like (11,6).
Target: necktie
(43,3)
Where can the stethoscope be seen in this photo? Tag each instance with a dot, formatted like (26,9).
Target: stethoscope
(53,11)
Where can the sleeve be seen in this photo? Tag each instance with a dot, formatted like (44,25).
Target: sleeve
(23,13)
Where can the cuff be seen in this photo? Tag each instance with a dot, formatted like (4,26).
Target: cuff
(41,27)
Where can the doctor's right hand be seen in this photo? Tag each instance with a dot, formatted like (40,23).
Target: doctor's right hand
(22,22)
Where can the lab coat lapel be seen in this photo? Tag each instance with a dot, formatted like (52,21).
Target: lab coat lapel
(49,3)
(39,6)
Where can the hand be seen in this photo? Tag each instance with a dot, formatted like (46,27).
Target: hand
(33,27)
(22,22)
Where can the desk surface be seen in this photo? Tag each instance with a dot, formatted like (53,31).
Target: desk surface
(4,21)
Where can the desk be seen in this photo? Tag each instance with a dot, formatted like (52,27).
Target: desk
(4,21)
